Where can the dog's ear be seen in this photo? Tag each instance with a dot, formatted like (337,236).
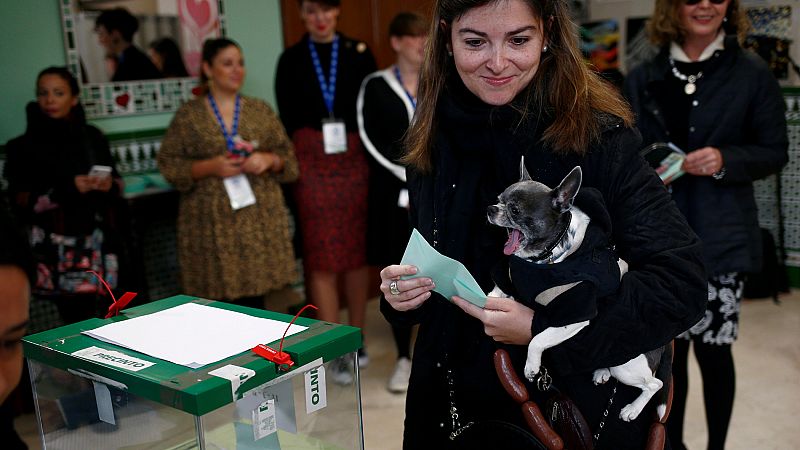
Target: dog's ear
(565,193)
(523,172)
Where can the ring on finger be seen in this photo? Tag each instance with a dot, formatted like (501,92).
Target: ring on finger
(393,288)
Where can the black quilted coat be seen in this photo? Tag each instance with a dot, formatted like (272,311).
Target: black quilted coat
(477,151)
(739,109)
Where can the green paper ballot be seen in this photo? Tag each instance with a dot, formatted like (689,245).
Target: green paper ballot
(666,158)
(450,276)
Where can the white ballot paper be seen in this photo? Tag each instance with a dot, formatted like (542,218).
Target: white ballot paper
(193,335)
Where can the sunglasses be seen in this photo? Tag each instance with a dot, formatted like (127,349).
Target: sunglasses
(694,2)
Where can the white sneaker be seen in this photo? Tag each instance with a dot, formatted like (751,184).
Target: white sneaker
(363,358)
(339,372)
(398,382)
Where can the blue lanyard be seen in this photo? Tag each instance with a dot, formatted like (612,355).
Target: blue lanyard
(234,127)
(328,89)
(400,79)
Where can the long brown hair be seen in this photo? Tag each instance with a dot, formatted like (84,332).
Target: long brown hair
(564,85)
(666,26)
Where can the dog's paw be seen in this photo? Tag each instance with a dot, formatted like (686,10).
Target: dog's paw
(629,413)
(532,367)
(601,376)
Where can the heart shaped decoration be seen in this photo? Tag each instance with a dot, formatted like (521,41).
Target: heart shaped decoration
(200,12)
(123,99)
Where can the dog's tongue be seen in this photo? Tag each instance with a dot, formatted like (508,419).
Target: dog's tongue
(512,245)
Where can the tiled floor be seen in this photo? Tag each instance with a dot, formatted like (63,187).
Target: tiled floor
(765,414)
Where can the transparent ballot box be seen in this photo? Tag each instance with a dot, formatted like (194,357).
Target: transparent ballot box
(91,394)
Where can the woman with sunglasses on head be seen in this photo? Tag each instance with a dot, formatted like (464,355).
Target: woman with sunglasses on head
(721,104)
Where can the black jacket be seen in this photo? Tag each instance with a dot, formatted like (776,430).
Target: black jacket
(476,155)
(133,65)
(45,161)
(740,110)
(383,117)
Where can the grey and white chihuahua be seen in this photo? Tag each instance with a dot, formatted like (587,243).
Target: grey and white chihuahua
(545,227)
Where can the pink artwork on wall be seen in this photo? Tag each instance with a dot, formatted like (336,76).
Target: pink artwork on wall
(199,21)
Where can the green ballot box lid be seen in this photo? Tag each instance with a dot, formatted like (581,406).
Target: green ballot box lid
(191,390)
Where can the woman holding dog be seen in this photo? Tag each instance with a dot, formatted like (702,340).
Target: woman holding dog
(722,105)
(503,79)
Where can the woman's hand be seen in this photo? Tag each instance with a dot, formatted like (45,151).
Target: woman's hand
(259,162)
(504,319)
(221,166)
(83,183)
(225,166)
(703,162)
(410,293)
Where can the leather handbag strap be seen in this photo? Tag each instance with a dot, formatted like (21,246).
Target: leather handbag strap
(530,410)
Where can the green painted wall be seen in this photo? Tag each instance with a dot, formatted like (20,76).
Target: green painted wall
(30,31)
(31,35)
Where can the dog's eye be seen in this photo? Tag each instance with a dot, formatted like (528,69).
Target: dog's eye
(514,210)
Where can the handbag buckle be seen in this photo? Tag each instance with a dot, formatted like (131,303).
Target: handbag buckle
(543,380)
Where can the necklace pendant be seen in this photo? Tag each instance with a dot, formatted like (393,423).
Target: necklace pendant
(690,88)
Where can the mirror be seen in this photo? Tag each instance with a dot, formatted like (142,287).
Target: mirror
(113,58)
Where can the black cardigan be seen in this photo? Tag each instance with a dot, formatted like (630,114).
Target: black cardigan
(297,89)
(383,117)
(740,110)
(662,295)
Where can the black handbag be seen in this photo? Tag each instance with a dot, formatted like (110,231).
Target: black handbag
(564,427)
(490,434)
(772,279)
(568,422)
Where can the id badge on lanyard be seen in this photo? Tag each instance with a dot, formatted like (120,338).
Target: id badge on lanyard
(334,136)
(334,133)
(240,193)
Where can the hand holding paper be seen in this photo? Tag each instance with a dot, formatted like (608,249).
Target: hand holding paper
(666,158)
(504,319)
(450,276)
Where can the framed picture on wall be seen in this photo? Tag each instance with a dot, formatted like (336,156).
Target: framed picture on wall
(770,37)
(599,43)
